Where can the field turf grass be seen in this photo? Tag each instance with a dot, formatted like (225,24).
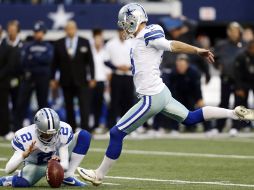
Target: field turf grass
(199,166)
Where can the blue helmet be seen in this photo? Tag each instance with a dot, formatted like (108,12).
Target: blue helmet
(40,26)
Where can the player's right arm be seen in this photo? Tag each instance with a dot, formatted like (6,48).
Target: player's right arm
(19,155)
(156,38)
(180,47)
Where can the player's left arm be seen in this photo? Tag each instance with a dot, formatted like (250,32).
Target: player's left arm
(180,47)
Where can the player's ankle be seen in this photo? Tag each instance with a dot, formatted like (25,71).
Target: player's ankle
(66,175)
(99,174)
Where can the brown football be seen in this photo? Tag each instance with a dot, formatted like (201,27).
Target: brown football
(54,174)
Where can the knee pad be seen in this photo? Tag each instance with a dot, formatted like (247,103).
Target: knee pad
(20,182)
(115,143)
(194,117)
(83,142)
(116,134)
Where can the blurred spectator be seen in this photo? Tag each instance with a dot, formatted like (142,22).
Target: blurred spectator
(225,53)
(244,76)
(121,84)
(1,34)
(182,29)
(202,41)
(13,40)
(73,58)
(100,76)
(248,34)
(6,66)
(36,58)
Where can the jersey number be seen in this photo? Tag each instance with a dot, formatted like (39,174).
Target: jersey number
(43,157)
(132,62)
(64,131)
(26,137)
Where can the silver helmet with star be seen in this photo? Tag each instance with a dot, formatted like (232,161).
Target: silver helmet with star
(47,124)
(131,16)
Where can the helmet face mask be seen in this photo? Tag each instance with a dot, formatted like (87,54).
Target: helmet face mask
(129,26)
(47,139)
(47,126)
(130,17)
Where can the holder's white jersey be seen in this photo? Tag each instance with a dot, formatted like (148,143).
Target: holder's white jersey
(146,58)
(25,136)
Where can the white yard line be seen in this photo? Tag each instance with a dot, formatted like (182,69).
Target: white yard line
(5,145)
(179,182)
(111,183)
(164,153)
(185,154)
(172,181)
(188,136)
(2,170)
(182,181)
(2,159)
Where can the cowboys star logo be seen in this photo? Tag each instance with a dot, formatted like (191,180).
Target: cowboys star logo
(129,12)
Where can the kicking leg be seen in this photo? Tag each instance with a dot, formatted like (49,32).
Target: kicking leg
(208,113)
(178,112)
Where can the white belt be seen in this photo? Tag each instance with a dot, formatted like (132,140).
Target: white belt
(123,73)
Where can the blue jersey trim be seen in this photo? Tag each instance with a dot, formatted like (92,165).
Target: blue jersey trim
(153,38)
(18,145)
(70,138)
(154,32)
(132,62)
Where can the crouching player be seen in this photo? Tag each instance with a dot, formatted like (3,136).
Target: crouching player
(34,145)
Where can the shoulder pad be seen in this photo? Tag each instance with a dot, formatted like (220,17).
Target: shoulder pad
(153,32)
(23,138)
(66,133)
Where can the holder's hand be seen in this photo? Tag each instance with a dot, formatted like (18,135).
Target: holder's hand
(30,149)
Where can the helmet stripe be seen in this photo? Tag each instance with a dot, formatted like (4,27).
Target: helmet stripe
(47,118)
(52,119)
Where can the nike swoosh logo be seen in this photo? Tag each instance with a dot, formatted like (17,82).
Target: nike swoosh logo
(85,173)
(69,182)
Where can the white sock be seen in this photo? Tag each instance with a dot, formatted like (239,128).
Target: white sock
(105,166)
(75,161)
(210,112)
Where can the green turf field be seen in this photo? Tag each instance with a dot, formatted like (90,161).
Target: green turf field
(171,164)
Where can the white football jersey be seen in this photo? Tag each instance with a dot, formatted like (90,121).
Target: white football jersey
(146,59)
(25,136)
